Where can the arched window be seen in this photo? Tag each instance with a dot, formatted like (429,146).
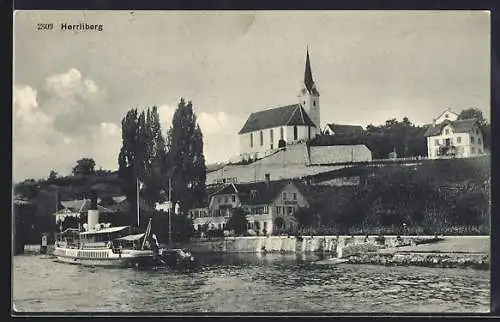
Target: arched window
(314,102)
(295,133)
(251,140)
(261,138)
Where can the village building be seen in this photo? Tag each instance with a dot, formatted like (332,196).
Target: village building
(262,132)
(449,136)
(263,202)
(286,142)
(342,130)
(79,208)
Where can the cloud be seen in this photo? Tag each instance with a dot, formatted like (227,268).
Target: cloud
(75,102)
(46,135)
(27,110)
(220,133)
(56,126)
(166,113)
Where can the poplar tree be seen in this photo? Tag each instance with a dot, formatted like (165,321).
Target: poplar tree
(186,160)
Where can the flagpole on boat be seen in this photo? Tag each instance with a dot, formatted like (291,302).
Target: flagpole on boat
(169,212)
(137,188)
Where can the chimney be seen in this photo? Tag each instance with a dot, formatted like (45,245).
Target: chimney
(268,178)
(93,213)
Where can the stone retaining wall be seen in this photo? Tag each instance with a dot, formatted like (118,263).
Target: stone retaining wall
(445,260)
(338,245)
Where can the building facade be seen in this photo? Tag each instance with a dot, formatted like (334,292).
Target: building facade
(262,132)
(262,201)
(450,137)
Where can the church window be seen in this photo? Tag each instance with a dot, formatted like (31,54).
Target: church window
(261,138)
(309,133)
(447,131)
(304,103)
(314,103)
(295,134)
(251,140)
(459,139)
(281,133)
(472,140)
(271,137)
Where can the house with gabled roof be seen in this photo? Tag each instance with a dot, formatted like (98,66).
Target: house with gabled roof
(450,136)
(262,132)
(77,208)
(263,201)
(342,129)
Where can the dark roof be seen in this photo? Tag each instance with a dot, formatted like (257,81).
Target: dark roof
(344,129)
(279,116)
(423,129)
(256,193)
(83,206)
(459,126)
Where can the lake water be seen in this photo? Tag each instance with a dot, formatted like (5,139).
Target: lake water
(247,283)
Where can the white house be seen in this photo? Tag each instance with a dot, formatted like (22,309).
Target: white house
(263,201)
(449,136)
(263,130)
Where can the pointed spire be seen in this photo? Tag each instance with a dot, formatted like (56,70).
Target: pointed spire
(308,78)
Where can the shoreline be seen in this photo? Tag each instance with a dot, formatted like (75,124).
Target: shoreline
(432,260)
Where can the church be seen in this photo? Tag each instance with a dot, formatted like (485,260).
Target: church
(300,122)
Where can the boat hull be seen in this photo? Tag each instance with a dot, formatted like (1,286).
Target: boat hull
(104,257)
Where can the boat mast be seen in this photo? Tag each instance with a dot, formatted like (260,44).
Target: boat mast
(137,188)
(169,211)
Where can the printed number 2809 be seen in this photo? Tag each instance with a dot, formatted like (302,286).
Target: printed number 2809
(44,26)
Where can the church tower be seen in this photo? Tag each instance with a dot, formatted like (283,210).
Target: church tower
(309,95)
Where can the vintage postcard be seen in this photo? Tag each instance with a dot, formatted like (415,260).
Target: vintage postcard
(251,161)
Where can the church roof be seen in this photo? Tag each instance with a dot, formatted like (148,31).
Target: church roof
(274,117)
(308,78)
(459,126)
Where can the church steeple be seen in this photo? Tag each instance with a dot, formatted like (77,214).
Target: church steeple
(309,96)
(308,78)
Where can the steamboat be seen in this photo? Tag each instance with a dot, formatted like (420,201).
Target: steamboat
(99,244)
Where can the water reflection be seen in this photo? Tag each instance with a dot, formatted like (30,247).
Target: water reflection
(248,283)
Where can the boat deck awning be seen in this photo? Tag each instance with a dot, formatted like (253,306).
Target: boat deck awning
(132,237)
(105,230)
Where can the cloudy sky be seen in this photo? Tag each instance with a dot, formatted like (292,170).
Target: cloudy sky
(71,89)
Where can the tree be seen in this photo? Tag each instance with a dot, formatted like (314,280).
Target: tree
(279,222)
(305,217)
(483,124)
(182,227)
(52,176)
(238,221)
(142,155)
(471,113)
(185,154)
(84,166)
